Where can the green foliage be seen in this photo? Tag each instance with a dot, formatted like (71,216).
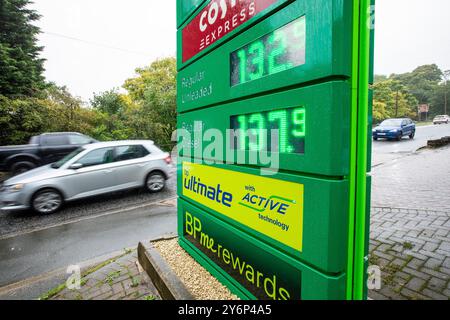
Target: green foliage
(148,111)
(21,118)
(153,92)
(400,94)
(21,67)
(109,102)
(392,100)
(421,82)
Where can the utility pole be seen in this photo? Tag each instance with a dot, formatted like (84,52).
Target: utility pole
(446,76)
(396,104)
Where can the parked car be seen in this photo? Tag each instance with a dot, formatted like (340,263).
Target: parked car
(43,149)
(90,170)
(395,129)
(441,119)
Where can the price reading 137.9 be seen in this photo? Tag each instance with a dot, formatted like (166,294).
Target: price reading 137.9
(275,52)
(289,123)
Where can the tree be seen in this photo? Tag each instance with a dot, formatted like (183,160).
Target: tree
(421,82)
(21,67)
(440,97)
(68,106)
(392,100)
(380,78)
(110,102)
(22,118)
(154,93)
(379,111)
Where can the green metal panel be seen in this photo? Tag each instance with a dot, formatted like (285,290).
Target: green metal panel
(324,217)
(326,142)
(246,268)
(369,131)
(356,268)
(185,8)
(328,54)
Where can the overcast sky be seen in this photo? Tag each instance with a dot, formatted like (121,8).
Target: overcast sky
(95,45)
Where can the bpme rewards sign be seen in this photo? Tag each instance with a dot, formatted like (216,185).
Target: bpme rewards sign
(279,216)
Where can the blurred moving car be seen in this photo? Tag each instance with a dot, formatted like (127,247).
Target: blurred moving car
(43,149)
(395,129)
(88,171)
(441,119)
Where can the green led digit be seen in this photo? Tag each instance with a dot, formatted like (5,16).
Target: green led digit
(281,49)
(282,118)
(299,121)
(259,121)
(299,31)
(258,48)
(242,131)
(242,65)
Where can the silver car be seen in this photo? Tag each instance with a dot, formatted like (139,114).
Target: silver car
(88,171)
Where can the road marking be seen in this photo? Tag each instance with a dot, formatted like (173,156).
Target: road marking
(107,213)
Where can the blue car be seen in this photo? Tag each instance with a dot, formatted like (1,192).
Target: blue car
(395,129)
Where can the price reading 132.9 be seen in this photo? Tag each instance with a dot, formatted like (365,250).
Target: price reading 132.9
(275,52)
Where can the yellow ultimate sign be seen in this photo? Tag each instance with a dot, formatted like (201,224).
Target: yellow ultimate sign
(269,206)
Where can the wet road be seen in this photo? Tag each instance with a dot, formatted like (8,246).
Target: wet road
(42,251)
(385,151)
(418,181)
(12,223)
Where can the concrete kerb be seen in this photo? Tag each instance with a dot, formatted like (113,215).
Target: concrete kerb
(165,280)
(439,142)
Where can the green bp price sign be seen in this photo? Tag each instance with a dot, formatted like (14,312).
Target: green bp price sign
(273,166)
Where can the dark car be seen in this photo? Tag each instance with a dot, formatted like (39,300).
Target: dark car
(395,129)
(43,149)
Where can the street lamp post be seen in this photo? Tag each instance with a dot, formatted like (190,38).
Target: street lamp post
(446,76)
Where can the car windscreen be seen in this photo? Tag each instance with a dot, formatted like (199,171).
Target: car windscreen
(67,158)
(391,123)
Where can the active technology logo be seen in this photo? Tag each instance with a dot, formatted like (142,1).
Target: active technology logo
(261,204)
(251,200)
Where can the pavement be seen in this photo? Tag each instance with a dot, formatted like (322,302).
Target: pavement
(410,226)
(412,249)
(117,279)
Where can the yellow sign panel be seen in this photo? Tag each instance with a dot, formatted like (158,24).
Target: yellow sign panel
(269,206)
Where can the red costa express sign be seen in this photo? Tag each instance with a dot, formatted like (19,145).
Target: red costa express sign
(216,20)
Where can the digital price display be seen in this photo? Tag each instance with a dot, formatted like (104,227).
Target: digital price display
(255,130)
(275,52)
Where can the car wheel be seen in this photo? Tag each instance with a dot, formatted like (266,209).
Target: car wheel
(155,182)
(21,167)
(400,136)
(47,201)
(375,139)
(412,135)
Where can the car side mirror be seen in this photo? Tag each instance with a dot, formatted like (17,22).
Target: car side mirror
(76,166)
